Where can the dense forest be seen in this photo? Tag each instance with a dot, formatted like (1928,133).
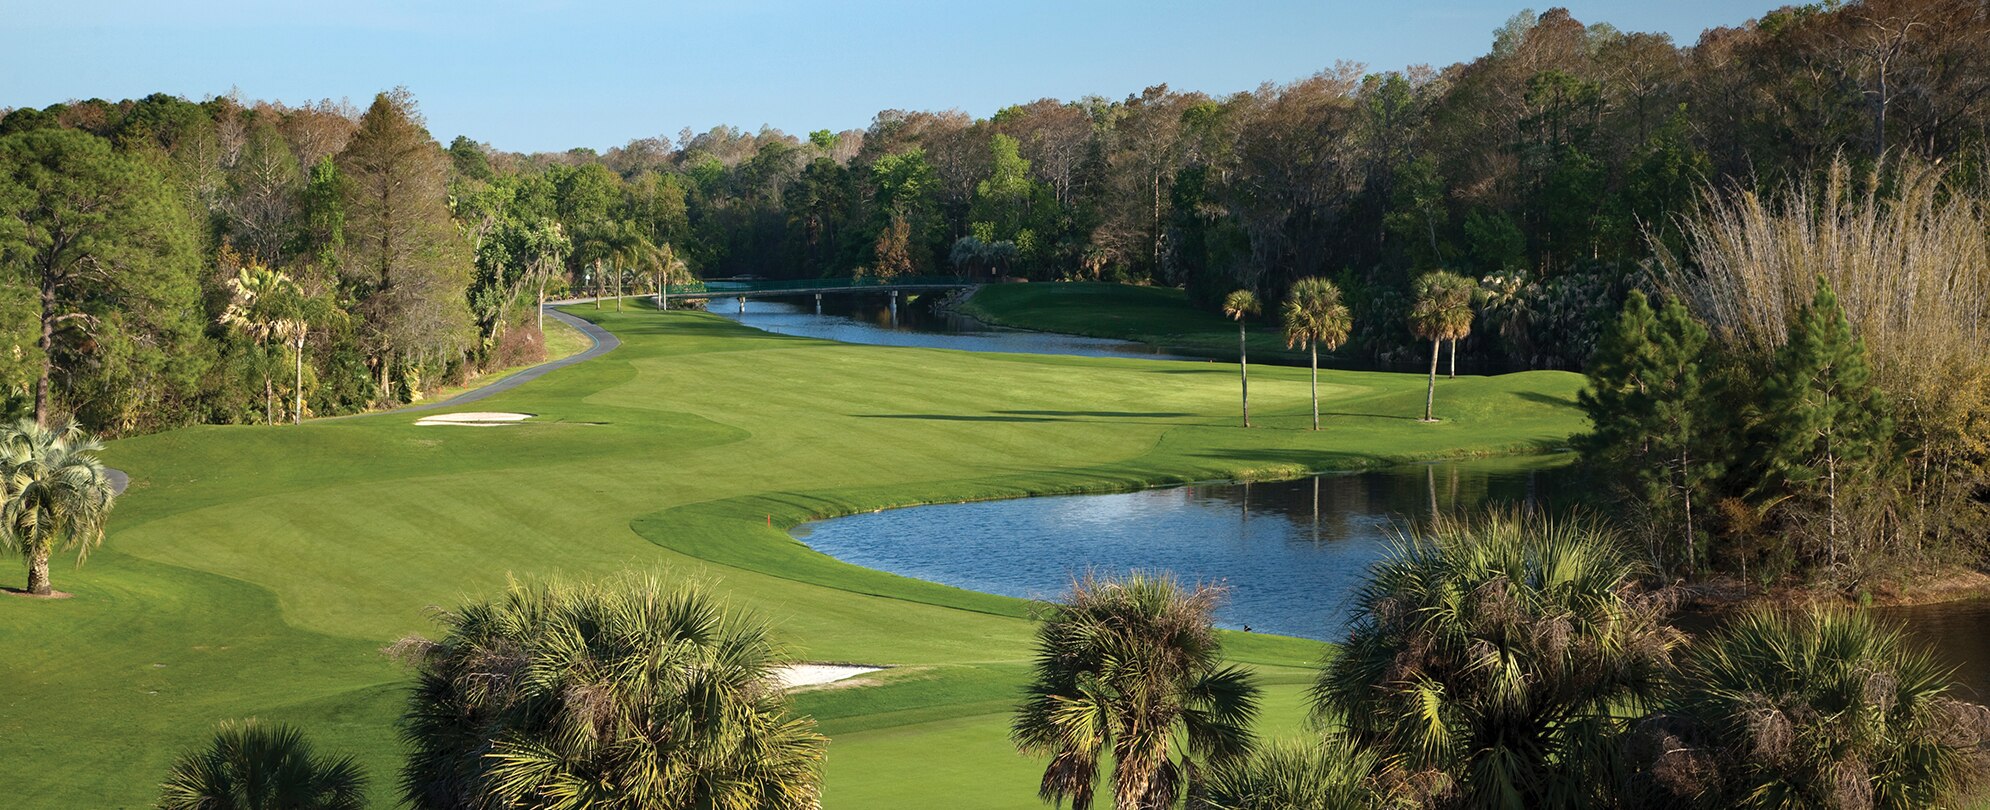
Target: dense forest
(170,261)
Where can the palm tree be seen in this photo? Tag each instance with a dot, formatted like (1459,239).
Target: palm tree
(267,305)
(310,310)
(1132,668)
(1318,776)
(1492,660)
(594,245)
(249,766)
(1825,708)
(549,243)
(615,695)
(1466,288)
(56,495)
(263,306)
(670,269)
(1506,298)
(625,249)
(1315,315)
(635,254)
(1443,311)
(1238,305)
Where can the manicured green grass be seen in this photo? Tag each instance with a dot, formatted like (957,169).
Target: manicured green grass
(1161,316)
(257,571)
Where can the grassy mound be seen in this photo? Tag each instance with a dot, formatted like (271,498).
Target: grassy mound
(257,571)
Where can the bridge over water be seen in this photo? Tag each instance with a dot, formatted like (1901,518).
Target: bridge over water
(744,288)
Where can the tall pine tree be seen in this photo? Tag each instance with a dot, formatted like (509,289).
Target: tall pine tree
(98,242)
(1652,418)
(1825,423)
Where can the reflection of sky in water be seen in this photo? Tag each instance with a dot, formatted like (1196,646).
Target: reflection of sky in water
(1290,568)
(866,318)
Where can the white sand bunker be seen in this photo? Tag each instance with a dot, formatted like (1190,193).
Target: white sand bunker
(475,419)
(795,676)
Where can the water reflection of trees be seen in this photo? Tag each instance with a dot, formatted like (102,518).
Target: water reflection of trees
(1328,508)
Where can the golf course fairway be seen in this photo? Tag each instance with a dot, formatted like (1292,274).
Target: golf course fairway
(256,571)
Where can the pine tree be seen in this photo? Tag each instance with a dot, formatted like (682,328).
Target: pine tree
(1825,422)
(94,249)
(1652,415)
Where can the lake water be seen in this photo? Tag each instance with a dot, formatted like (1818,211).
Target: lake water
(1956,630)
(1290,552)
(868,318)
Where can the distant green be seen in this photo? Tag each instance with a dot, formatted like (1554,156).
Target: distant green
(258,571)
(1161,316)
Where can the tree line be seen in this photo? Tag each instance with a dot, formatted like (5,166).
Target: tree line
(1552,170)
(167,262)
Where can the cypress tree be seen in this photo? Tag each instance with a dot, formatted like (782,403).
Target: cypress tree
(1825,423)
(405,257)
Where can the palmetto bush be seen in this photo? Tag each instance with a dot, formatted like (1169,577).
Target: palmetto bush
(1825,709)
(1492,662)
(1132,670)
(1286,776)
(624,694)
(250,766)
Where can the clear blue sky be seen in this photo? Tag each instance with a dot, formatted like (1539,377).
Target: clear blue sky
(549,75)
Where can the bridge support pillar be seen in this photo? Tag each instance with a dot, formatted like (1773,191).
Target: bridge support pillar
(818,303)
(894,308)
(742,305)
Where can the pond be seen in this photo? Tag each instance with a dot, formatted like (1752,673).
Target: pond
(868,318)
(1289,553)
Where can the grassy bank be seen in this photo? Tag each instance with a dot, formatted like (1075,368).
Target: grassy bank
(257,571)
(1161,316)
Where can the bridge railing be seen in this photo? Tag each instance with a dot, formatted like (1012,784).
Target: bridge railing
(719,287)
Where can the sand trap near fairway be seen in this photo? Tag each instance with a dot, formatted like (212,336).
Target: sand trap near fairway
(794,676)
(475,419)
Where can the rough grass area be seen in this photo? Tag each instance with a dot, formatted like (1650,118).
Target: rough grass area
(257,571)
(561,341)
(1158,315)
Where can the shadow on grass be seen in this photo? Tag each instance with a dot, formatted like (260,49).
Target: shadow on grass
(1547,399)
(1344,461)
(1116,417)
(956,417)
(1108,414)
(1366,416)
(1311,460)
